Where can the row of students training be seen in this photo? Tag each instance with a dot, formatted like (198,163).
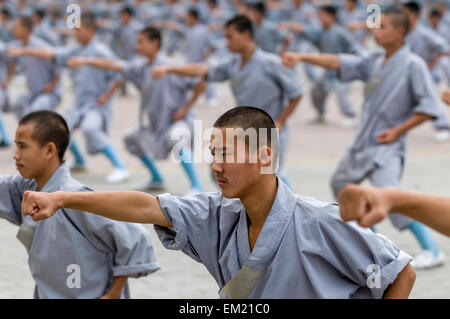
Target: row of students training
(240,239)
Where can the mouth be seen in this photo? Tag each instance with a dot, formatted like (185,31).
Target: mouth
(19,166)
(220,181)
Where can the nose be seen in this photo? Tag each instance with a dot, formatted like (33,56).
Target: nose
(16,156)
(217,167)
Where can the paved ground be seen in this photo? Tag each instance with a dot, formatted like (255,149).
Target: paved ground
(314,153)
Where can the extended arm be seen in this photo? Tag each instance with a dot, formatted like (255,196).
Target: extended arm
(135,207)
(369,205)
(327,61)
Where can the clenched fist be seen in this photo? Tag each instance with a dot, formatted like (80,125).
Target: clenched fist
(158,72)
(366,205)
(40,205)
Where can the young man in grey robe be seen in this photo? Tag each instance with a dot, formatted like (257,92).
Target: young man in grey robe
(75,255)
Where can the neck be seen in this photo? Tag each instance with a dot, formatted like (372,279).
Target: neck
(259,200)
(26,39)
(413,23)
(43,178)
(327,26)
(248,52)
(87,42)
(391,49)
(151,57)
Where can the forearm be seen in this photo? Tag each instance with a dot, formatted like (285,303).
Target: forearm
(55,81)
(11,72)
(403,284)
(197,92)
(412,122)
(40,53)
(431,210)
(103,64)
(293,103)
(117,287)
(117,85)
(134,207)
(327,61)
(195,69)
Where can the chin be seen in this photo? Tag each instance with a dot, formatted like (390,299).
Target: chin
(229,194)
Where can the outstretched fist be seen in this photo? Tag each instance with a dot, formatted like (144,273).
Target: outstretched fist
(39,205)
(15,52)
(75,62)
(366,205)
(158,72)
(289,59)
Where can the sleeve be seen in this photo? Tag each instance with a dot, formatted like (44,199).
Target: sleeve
(133,71)
(423,89)
(129,244)
(354,67)
(104,52)
(369,260)
(11,194)
(352,45)
(184,83)
(62,54)
(437,44)
(195,225)
(313,34)
(220,71)
(286,78)
(14,44)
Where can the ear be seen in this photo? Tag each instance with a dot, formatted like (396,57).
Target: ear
(265,156)
(51,150)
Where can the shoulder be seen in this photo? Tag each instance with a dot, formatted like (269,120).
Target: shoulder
(314,211)
(38,42)
(102,49)
(269,59)
(415,63)
(72,185)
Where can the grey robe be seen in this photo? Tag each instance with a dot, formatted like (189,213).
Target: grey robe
(102,248)
(303,251)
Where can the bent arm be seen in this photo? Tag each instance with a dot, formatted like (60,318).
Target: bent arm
(412,122)
(403,284)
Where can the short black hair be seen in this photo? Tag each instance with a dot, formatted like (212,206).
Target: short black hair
(128,10)
(6,12)
(435,13)
(152,34)
(246,117)
(26,22)
(88,21)
(241,23)
(412,6)
(259,7)
(40,12)
(331,10)
(399,18)
(194,13)
(214,2)
(49,127)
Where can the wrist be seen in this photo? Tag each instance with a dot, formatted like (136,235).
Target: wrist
(59,199)
(392,198)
